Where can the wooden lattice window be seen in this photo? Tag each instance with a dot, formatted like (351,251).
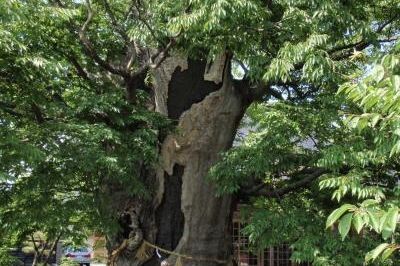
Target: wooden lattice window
(241,246)
(273,256)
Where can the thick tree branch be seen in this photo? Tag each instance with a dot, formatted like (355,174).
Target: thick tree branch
(114,21)
(133,50)
(8,108)
(52,249)
(360,45)
(35,110)
(35,247)
(38,113)
(146,23)
(310,174)
(388,22)
(132,47)
(242,65)
(271,91)
(337,54)
(256,91)
(346,51)
(88,46)
(128,13)
(43,248)
(156,60)
(249,92)
(162,54)
(131,55)
(79,69)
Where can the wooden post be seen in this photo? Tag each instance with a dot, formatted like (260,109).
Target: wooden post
(59,252)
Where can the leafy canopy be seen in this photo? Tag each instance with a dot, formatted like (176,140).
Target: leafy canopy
(70,122)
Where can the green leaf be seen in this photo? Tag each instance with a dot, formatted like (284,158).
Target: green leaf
(345,224)
(396,82)
(369,202)
(375,119)
(387,252)
(386,233)
(382,221)
(378,73)
(373,254)
(390,222)
(391,219)
(358,222)
(374,220)
(336,214)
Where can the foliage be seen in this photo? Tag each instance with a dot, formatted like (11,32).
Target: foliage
(375,160)
(5,258)
(298,219)
(283,137)
(287,137)
(312,127)
(62,137)
(72,128)
(67,262)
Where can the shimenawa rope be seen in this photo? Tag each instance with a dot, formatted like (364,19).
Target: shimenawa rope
(143,254)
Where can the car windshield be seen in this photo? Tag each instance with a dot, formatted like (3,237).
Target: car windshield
(77,249)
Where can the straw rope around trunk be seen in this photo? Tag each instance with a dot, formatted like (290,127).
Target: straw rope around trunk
(145,251)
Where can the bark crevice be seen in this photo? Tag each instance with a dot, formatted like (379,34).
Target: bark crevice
(185,215)
(169,216)
(187,87)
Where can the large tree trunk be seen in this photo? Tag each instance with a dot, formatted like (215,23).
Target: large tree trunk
(185,215)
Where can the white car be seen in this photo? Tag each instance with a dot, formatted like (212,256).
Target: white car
(80,255)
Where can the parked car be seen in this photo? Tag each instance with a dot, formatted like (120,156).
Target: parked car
(81,255)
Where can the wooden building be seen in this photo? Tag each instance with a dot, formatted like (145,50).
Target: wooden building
(273,256)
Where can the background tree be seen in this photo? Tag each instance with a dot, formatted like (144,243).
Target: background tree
(372,159)
(90,91)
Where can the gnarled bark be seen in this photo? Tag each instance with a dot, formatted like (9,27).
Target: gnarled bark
(185,214)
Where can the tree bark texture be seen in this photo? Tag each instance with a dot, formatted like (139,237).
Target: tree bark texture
(185,215)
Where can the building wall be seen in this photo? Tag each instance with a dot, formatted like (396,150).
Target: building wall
(273,256)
